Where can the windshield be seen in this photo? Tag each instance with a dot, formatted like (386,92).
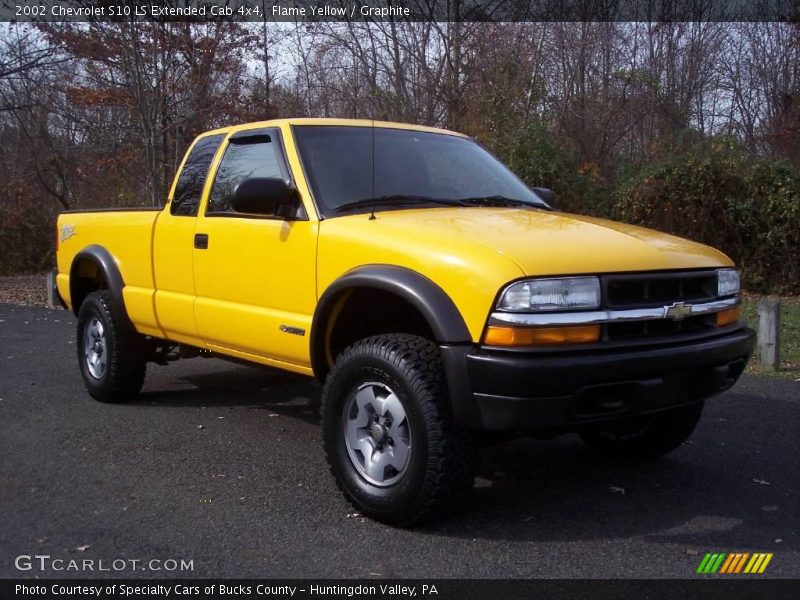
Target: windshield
(412,169)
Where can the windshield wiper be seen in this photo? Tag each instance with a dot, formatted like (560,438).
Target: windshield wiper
(395,200)
(498,201)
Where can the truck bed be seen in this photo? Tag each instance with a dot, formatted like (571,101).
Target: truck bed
(127,234)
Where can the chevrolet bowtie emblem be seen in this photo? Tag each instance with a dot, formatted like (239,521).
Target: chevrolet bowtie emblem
(677,311)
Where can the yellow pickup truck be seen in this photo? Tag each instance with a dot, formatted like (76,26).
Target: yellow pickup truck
(433,294)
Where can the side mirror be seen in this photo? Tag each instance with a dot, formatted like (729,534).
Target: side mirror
(547,195)
(266,196)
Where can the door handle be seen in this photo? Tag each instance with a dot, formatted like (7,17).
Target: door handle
(201,241)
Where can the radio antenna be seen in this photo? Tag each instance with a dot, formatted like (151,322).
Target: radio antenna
(372,163)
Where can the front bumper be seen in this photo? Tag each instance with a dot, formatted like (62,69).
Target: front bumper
(511,391)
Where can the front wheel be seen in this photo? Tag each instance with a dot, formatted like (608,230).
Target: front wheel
(646,436)
(388,432)
(112,356)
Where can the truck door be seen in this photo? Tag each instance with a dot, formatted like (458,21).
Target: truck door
(254,275)
(174,242)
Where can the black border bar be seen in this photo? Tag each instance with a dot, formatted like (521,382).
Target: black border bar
(706,587)
(401,10)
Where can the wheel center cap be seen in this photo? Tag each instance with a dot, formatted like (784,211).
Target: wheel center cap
(378,432)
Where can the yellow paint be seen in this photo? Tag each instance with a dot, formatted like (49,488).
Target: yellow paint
(62,283)
(139,301)
(472,253)
(259,274)
(126,235)
(262,360)
(256,275)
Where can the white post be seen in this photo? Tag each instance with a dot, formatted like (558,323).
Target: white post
(769,311)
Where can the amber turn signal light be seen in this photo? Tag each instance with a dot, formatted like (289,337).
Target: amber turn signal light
(541,336)
(726,317)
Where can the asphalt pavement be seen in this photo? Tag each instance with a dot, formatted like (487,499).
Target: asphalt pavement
(221,464)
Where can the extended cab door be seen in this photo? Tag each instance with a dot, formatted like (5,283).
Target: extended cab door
(174,241)
(255,276)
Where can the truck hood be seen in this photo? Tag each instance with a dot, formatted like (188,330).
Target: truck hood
(552,243)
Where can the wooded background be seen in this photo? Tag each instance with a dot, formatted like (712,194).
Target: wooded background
(692,128)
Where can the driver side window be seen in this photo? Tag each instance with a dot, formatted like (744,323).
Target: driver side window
(245,157)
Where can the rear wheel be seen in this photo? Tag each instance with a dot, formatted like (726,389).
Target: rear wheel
(645,436)
(389,436)
(112,356)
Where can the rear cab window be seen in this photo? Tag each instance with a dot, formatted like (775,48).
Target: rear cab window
(188,191)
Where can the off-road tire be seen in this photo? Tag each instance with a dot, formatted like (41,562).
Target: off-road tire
(647,436)
(125,352)
(442,460)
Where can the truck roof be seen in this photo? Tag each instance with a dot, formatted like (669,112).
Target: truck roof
(326,121)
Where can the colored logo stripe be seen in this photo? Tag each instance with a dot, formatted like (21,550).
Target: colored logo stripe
(741,562)
(758,563)
(734,563)
(714,562)
(727,564)
(710,563)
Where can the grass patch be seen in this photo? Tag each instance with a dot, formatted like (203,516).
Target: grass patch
(789,334)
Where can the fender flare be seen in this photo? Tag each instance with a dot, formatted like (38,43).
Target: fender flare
(435,306)
(110,272)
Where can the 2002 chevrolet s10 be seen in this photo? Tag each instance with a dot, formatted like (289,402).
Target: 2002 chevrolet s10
(434,294)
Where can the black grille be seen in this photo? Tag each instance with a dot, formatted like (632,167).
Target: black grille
(658,289)
(631,330)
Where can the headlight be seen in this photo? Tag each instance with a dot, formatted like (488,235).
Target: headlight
(564,293)
(727,282)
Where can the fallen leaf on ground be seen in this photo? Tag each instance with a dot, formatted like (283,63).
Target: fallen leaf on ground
(616,490)
(761,481)
(25,290)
